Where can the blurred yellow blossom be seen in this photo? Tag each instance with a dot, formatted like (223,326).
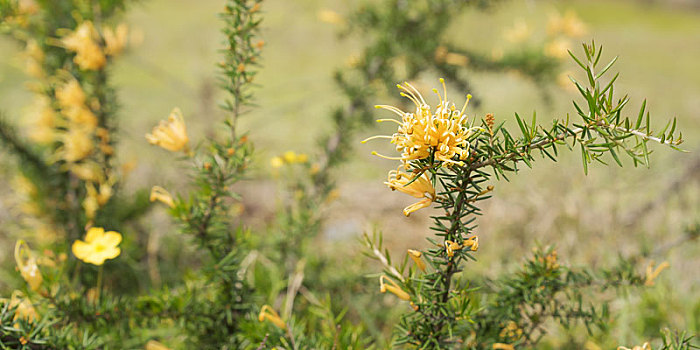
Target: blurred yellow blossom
(456,59)
(644,346)
(502,346)
(569,25)
(82,41)
(155,345)
(34,59)
(268,313)
(98,246)
(70,95)
(24,309)
(519,32)
(115,39)
(420,188)
(276,162)
(87,171)
(511,331)
(43,122)
(170,134)
(27,265)
(392,287)
(558,48)
(160,194)
(652,273)
(330,16)
(77,144)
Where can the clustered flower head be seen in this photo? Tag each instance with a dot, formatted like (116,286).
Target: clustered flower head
(441,133)
(83,41)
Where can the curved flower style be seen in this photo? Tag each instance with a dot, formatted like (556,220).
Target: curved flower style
(171,135)
(392,287)
(268,313)
(27,265)
(98,246)
(160,194)
(442,134)
(420,188)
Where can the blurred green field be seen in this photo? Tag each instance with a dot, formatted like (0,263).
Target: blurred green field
(659,49)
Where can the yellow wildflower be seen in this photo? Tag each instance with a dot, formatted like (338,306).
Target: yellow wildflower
(160,194)
(451,247)
(82,41)
(420,188)
(330,16)
(43,122)
(23,307)
(27,265)
(171,134)
(472,243)
(155,345)
(519,32)
(569,25)
(276,162)
(98,246)
(115,39)
(392,287)
(442,134)
(88,171)
(416,257)
(558,48)
(70,95)
(268,313)
(81,117)
(289,157)
(644,346)
(651,273)
(77,144)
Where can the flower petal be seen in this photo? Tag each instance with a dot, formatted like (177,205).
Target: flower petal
(93,234)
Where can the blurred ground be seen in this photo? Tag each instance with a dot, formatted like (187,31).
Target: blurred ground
(590,218)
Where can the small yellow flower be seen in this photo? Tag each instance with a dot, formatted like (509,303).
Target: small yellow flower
(420,188)
(569,25)
(70,95)
(24,309)
(451,247)
(81,117)
(82,41)
(392,287)
(276,162)
(160,194)
(519,32)
(502,346)
(558,48)
(115,39)
(268,313)
(27,265)
(651,273)
(77,145)
(289,157)
(98,246)
(471,243)
(171,134)
(644,346)
(155,345)
(330,16)
(442,134)
(416,257)
(43,122)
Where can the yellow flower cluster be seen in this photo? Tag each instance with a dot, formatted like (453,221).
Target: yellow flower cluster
(86,42)
(511,331)
(560,30)
(441,134)
(289,157)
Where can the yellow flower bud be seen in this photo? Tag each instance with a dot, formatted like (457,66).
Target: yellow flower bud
(416,257)
(268,313)
(27,265)
(392,287)
(160,194)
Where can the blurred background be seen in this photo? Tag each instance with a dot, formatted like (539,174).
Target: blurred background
(590,219)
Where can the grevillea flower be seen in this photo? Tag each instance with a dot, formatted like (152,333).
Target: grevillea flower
(83,41)
(424,133)
(115,39)
(268,313)
(27,265)
(98,246)
(160,194)
(392,287)
(416,257)
(652,273)
(420,188)
(171,134)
